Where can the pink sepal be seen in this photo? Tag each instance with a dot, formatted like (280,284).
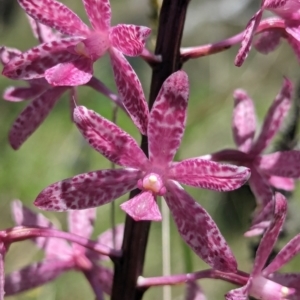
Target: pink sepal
(33,115)
(56,15)
(167,119)
(243,120)
(130,90)
(88,190)
(198,229)
(109,139)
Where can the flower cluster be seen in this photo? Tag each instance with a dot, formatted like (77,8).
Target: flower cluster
(62,61)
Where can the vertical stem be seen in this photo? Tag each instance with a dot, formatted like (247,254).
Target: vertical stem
(130,266)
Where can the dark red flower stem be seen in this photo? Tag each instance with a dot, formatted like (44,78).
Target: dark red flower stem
(130,266)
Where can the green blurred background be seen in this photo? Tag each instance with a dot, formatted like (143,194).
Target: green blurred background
(57,150)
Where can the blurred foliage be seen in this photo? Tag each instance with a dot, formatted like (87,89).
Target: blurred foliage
(57,150)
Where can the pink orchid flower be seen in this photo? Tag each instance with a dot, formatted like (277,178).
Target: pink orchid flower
(154,176)
(43,95)
(267,170)
(288,27)
(60,256)
(259,285)
(69,61)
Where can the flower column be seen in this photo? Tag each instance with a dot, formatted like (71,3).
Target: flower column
(130,266)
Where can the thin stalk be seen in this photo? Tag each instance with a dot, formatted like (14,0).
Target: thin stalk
(130,266)
(21,233)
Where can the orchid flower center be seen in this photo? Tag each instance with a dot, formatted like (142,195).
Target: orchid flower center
(94,46)
(266,289)
(152,182)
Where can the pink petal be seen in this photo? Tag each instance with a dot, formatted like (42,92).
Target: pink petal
(6,54)
(106,237)
(209,175)
(56,15)
(194,292)
(81,222)
(282,183)
(230,155)
(42,32)
(286,254)
(130,90)
(260,188)
(167,119)
(112,238)
(18,94)
(274,118)
(129,39)
(270,237)
(34,62)
(73,73)
(105,279)
(99,13)
(283,164)
(247,39)
(54,248)
(35,275)
(109,139)
(87,190)
(239,294)
(198,229)
(32,116)
(287,9)
(262,220)
(91,276)
(243,121)
(268,41)
(142,207)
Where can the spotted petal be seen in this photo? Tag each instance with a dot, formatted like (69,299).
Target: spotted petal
(17,94)
(99,13)
(53,247)
(243,121)
(260,188)
(142,207)
(109,139)
(81,222)
(283,164)
(240,293)
(274,118)
(88,190)
(247,39)
(129,39)
(34,62)
(130,90)
(270,237)
(268,41)
(6,54)
(198,229)
(167,119)
(56,15)
(32,116)
(35,275)
(193,291)
(72,73)
(289,251)
(209,175)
